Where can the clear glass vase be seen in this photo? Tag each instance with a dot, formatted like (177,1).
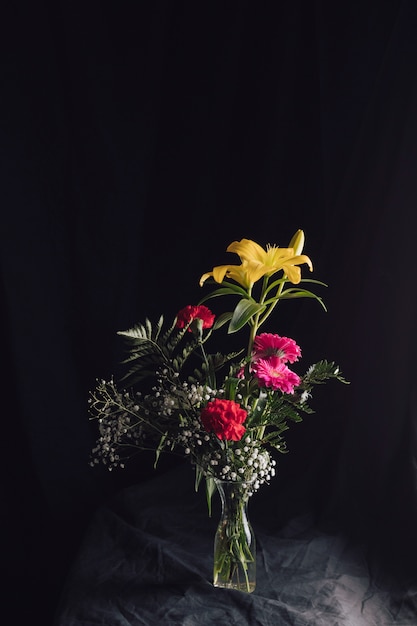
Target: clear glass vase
(234,542)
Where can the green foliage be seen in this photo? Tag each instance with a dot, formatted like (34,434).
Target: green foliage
(274,411)
(210,366)
(245,310)
(320,372)
(149,349)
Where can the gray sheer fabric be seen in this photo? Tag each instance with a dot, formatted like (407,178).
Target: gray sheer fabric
(147,559)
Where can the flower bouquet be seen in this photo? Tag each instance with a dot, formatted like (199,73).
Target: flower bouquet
(226,412)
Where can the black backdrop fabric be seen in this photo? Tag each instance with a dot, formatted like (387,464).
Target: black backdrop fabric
(140,139)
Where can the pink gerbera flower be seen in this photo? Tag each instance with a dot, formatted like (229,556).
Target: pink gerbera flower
(267,345)
(273,373)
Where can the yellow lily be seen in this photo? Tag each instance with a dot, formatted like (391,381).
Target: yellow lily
(258,262)
(239,273)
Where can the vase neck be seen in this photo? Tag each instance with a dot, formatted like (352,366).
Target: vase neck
(234,491)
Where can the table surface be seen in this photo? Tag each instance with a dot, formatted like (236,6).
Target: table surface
(147,556)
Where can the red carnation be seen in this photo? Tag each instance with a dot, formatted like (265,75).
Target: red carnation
(224,418)
(190,313)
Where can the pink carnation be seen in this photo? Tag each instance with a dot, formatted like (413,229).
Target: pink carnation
(275,374)
(267,345)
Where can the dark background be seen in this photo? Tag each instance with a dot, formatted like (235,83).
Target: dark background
(137,141)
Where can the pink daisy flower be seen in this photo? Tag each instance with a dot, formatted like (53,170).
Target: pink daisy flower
(267,345)
(275,374)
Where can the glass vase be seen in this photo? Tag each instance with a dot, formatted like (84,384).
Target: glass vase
(234,542)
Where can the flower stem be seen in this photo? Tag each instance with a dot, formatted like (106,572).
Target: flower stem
(257,319)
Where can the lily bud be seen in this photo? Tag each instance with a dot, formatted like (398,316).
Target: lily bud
(297,242)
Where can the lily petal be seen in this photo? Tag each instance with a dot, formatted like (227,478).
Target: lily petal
(247,249)
(293,273)
(291,269)
(239,273)
(218,274)
(258,262)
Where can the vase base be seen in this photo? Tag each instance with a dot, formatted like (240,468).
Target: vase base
(246,587)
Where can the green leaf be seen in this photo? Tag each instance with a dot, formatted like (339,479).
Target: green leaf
(222,319)
(210,489)
(313,281)
(208,370)
(258,409)
(244,312)
(298,293)
(149,349)
(198,476)
(143,331)
(279,282)
(230,386)
(159,449)
(322,371)
(228,289)
(210,485)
